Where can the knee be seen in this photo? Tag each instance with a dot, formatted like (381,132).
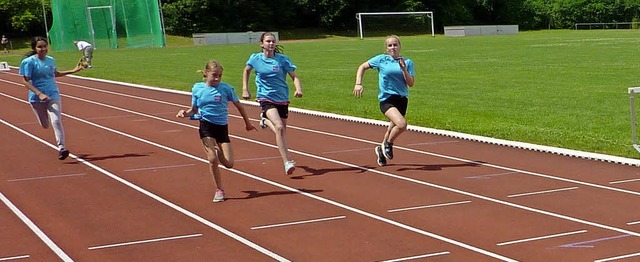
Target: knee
(279,128)
(402,125)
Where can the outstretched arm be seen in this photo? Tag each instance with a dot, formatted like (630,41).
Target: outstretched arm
(245,83)
(296,83)
(247,122)
(358,88)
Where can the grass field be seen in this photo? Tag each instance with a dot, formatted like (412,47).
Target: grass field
(558,88)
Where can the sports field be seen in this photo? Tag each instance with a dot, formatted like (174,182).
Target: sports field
(557,88)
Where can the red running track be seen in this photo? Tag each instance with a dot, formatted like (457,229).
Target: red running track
(136,188)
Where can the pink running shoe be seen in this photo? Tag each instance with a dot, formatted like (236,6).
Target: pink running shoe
(219,196)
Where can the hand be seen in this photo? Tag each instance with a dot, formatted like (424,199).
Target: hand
(246,95)
(181,114)
(43,97)
(250,127)
(357,90)
(403,65)
(298,93)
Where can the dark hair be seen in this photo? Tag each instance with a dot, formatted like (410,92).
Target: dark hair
(279,48)
(34,42)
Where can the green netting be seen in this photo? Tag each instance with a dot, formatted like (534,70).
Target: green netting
(103,22)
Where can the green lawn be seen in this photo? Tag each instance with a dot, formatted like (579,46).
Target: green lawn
(560,88)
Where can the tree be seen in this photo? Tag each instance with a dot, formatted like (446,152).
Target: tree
(22,17)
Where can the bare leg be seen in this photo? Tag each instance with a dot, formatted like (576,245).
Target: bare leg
(209,145)
(225,155)
(397,125)
(279,127)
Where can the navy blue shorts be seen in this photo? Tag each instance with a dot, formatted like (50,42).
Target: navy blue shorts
(218,132)
(283,110)
(399,102)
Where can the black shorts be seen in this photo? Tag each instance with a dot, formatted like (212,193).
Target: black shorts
(399,102)
(283,110)
(218,132)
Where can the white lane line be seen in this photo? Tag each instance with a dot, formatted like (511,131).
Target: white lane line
(624,181)
(61,254)
(544,192)
(633,223)
(429,206)
(258,158)
(541,237)
(464,245)
(490,175)
(13,258)
(172,131)
(299,222)
(418,257)
(347,150)
(144,241)
(157,167)
(146,192)
(44,177)
(617,258)
(433,143)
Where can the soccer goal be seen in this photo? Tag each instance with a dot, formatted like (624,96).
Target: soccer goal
(360,17)
(632,95)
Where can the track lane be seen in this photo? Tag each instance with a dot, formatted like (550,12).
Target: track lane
(316,178)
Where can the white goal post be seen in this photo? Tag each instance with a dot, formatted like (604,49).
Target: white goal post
(359,17)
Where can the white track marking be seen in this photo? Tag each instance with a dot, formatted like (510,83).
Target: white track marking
(154,196)
(617,258)
(418,257)
(223,230)
(433,143)
(13,258)
(625,181)
(491,175)
(298,222)
(541,237)
(61,254)
(43,177)
(429,206)
(156,167)
(633,223)
(455,190)
(144,241)
(543,192)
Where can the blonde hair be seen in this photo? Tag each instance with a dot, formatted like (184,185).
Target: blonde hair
(393,36)
(212,64)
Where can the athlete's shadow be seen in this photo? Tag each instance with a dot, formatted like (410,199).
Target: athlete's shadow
(318,172)
(254,194)
(434,167)
(91,158)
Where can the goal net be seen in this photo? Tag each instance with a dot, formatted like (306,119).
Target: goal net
(397,23)
(104,22)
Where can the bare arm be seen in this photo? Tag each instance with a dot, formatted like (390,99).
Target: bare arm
(245,83)
(358,88)
(72,71)
(407,77)
(26,81)
(247,122)
(296,83)
(187,113)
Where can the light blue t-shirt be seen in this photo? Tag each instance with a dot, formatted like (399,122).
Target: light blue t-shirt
(271,76)
(212,101)
(390,78)
(42,75)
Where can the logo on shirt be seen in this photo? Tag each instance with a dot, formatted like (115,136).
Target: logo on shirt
(217,98)
(276,68)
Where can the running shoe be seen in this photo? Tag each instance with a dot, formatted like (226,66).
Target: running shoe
(381,160)
(289,167)
(219,196)
(63,154)
(387,148)
(262,119)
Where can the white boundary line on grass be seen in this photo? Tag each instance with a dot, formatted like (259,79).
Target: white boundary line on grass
(483,139)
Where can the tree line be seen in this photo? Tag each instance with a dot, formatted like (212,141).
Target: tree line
(185,17)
